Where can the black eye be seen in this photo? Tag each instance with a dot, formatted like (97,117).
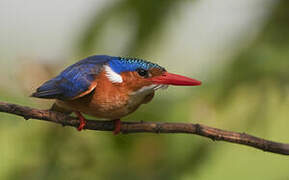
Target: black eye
(143,72)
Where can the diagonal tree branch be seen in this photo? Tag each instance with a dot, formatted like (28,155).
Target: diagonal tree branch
(149,127)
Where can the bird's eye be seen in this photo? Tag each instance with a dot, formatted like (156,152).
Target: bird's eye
(143,72)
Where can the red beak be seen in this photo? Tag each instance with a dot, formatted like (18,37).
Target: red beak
(174,79)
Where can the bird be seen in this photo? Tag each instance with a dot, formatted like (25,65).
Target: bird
(107,87)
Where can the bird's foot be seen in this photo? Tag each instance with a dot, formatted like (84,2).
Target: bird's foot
(117,126)
(82,121)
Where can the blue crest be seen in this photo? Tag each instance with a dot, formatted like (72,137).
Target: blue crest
(122,64)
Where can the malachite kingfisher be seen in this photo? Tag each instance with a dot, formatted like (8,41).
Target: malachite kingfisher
(108,87)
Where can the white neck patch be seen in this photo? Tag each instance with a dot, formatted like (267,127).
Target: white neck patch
(144,89)
(112,76)
(150,88)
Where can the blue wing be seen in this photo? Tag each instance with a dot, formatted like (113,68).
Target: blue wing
(74,80)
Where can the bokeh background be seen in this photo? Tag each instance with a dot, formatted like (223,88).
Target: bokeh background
(239,49)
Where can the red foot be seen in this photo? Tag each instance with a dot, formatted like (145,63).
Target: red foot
(117,126)
(82,121)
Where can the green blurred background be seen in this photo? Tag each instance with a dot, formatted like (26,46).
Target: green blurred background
(239,49)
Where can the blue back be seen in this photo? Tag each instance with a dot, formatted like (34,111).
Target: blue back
(78,77)
(73,80)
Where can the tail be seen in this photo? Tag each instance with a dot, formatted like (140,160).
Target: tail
(49,90)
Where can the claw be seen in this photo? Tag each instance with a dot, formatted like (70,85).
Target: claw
(82,121)
(117,126)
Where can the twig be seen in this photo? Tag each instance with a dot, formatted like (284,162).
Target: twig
(149,127)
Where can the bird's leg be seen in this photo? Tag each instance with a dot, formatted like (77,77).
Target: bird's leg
(82,121)
(117,126)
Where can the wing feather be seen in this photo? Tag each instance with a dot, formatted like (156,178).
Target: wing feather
(75,81)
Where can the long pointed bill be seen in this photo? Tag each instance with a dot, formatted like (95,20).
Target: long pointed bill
(175,79)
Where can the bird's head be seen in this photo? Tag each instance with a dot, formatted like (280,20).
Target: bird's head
(139,75)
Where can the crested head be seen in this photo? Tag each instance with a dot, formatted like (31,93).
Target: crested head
(123,64)
(133,73)
(118,66)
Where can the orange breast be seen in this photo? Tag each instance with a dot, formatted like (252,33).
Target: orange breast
(108,100)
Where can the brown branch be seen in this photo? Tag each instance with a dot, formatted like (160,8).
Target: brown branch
(149,127)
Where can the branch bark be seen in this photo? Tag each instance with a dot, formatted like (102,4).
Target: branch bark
(149,127)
